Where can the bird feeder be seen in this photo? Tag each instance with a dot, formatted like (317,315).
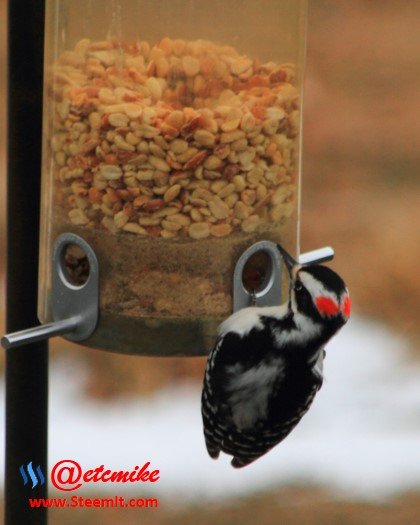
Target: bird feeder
(171,146)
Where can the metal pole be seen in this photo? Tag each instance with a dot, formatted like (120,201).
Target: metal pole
(26,367)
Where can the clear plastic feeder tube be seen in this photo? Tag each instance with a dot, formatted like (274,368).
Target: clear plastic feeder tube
(171,144)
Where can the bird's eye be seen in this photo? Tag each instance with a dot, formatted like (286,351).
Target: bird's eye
(298,286)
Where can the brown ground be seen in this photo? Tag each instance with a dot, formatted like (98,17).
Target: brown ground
(292,506)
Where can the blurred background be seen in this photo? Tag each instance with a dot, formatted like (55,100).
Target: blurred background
(356,460)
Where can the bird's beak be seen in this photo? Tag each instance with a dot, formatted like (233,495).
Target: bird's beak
(289,261)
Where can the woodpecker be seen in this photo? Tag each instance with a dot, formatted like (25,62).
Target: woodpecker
(266,367)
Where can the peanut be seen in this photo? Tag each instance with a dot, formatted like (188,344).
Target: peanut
(187,139)
(110,172)
(191,66)
(154,87)
(199,230)
(120,219)
(231,136)
(219,208)
(250,225)
(159,163)
(227,190)
(220,230)
(171,226)
(78,217)
(172,193)
(241,210)
(134,228)
(204,138)
(213,162)
(179,146)
(118,120)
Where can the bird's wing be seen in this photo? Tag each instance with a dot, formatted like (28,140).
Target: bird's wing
(248,403)
(283,416)
(237,384)
(234,360)
(213,426)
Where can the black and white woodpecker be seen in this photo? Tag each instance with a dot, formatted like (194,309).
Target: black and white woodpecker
(266,367)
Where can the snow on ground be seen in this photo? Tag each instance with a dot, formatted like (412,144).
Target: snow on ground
(361,438)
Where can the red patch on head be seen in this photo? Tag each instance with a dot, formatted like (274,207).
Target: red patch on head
(327,306)
(346,308)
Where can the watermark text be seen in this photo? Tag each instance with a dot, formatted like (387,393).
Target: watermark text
(83,502)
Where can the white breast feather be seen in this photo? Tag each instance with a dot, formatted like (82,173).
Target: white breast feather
(305,331)
(243,321)
(318,367)
(250,391)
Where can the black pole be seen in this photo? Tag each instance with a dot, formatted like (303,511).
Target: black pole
(26,367)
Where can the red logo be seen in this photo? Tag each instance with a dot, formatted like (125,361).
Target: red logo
(68,475)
